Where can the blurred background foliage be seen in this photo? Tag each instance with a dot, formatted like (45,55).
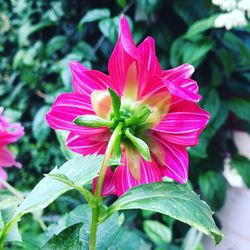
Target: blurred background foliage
(39,38)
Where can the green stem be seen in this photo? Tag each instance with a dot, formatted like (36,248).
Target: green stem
(105,163)
(11,189)
(6,230)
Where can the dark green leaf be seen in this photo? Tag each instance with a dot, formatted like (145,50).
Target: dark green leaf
(213,187)
(240,107)
(242,165)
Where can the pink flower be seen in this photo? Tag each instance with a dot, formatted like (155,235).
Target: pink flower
(173,123)
(9,133)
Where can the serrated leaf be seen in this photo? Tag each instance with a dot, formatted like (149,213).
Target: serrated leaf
(67,239)
(175,200)
(80,170)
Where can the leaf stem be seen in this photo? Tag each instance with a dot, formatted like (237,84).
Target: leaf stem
(105,163)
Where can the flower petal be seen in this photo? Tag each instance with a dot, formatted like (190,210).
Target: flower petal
(65,109)
(84,80)
(121,57)
(10,132)
(124,179)
(183,125)
(173,160)
(108,186)
(7,159)
(90,141)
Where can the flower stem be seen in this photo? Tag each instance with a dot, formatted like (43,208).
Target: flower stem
(105,163)
(11,189)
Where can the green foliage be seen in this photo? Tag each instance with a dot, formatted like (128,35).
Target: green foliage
(176,201)
(39,38)
(242,165)
(213,187)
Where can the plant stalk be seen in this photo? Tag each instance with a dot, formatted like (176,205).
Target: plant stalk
(105,163)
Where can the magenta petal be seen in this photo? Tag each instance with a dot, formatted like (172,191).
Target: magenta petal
(181,92)
(108,187)
(183,125)
(91,141)
(65,109)
(10,132)
(124,179)
(177,74)
(7,159)
(85,81)
(121,57)
(148,57)
(175,161)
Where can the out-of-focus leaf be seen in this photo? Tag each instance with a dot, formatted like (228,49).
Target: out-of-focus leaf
(213,187)
(193,52)
(149,6)
(241,108)
(56,43)
(200,26)
(192,240)
(110,27)
(242,165)
(40,128)
(211,103)
(157,232)
(94,15)
(173,200)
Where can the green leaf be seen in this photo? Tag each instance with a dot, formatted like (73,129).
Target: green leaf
(92,121)
(213,187)
(193,52)
(110,27)
(56,43)
(174,200)
(242,165)
(211,103)
(107,232)
(62,136)
(241,108)
(67,239)
(40,128)
(80,170)
(94,15)
(8,201)
(200,26)
(116,102)
(157,232)
(192,240)
(149,6)
(140,145)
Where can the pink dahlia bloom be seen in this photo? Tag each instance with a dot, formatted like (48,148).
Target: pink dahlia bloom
(9,133)
(173,124)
